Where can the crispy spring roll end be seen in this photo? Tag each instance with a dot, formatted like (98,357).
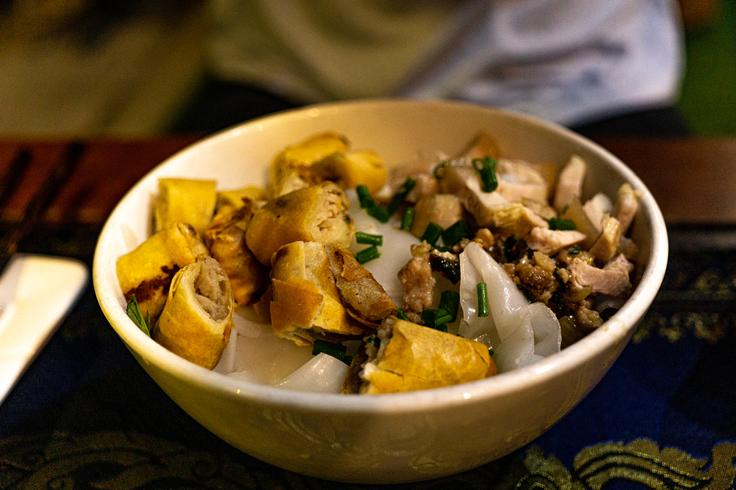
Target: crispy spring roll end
(413,357)
(197,318)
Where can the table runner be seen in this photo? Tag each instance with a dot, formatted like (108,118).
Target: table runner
(85,415)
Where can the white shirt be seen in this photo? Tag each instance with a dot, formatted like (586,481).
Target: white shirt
(564,60)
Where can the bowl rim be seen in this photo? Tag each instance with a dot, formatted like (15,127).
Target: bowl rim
(616,329)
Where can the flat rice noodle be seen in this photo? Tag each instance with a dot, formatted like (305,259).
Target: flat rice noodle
(321,374)
(520,333)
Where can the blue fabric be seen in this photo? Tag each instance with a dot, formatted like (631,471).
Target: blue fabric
(671,393)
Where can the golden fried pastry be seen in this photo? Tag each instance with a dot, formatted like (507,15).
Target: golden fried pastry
(234,198)
(290,169)
(316,213)
(352,168)
(197,318)
(184,201)
(225,238)
(146,271)
(306,303)
(412,357)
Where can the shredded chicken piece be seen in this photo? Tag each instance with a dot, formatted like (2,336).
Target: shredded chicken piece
(569,182)
(552,241)
(606,244)
(517,219)
(518,180)
(627,206)
(442,209)
(417,280)
(613,279)
(426,185)
(596,208)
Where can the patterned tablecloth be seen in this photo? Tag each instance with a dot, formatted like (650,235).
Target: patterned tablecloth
(85,415)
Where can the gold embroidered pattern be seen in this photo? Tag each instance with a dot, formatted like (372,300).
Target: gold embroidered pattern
(110,460)
(710,327)
(640,461)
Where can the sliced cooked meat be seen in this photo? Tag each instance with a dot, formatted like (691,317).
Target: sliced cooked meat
(417,280)
(569,182)
(518,180)
(606,244)
(613,279)
(627,206)
(442,209)
(552,241)
(596,208)
(365,298)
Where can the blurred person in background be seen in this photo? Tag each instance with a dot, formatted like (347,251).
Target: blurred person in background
(598,66)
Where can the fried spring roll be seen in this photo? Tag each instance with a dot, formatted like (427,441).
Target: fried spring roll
(317,213)
(184,200)
(306,303)
(290,169)
(412,357)
(146,271)
(197,318)
(225,238)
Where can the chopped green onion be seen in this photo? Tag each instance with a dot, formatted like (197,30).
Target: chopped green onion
(363,237)
(401,314)
(400,196)
(407,219)
(450,302)
(436,318)
(133,311)
(364,197)
(366,202)
(432,233)
(486,167)
(380,213)
(482,292)
(561,224)
(332,349)
(455,233)
(367,254)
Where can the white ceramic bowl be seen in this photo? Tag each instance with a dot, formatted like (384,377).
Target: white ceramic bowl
(386,438)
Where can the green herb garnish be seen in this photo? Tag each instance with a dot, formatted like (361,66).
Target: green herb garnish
(331,349)
(455,233)
(400,196)
(486,167)
(401,314)
(407,219)
(432,233)
(367,254)
(369,204)
(363,237)
(481,290)
(133,311)
(561,224)
(436,318)
(364,197)
(450,302)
